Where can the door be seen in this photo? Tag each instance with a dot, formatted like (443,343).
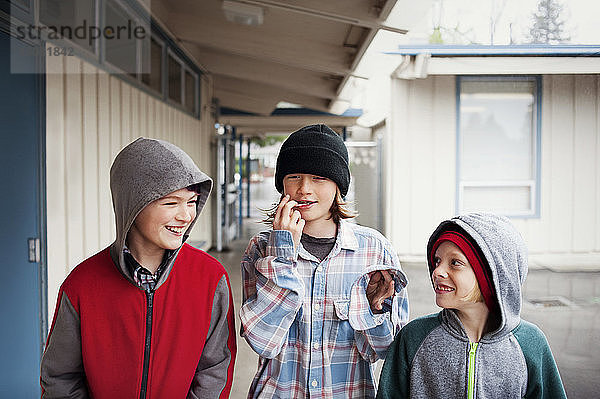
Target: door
(21,304)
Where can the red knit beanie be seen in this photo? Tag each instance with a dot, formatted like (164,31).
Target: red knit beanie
(482,272)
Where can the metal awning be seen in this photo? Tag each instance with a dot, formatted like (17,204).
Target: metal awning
(513,50)
(422,61)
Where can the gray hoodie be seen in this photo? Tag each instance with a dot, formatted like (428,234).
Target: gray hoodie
(109,337)
(432,357)
(144,171)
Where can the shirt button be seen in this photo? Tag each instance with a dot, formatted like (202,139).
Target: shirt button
(315,345)
(314,383)
(316,306)
(320,269)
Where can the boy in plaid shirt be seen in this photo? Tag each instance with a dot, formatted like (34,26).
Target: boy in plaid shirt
(322,297)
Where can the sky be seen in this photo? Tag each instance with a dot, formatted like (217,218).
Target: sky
(473,19)
(369,90)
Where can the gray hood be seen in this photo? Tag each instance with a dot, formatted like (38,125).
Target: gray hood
(506,254)
(144,171)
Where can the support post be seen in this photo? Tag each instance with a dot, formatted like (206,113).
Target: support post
(241,186)
(249,174)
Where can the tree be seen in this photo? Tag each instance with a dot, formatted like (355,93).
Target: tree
(495,15)
(447,35)
(548,27)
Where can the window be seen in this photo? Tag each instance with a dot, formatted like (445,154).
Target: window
(153,78)
(120,37)
(70,19)
(498,143)
(121,49)
(174,70)
(190,92)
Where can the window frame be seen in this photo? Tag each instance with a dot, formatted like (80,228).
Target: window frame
(94,53)
(163,46)
(195,77)
(130,13)
(134,11)
(534,184)
(177,59)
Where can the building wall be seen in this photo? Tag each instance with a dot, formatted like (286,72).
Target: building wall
(90,117)
(420,154)
(421,165)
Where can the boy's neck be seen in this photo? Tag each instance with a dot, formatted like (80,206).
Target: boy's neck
(148,258)
(323,228)
(474,320)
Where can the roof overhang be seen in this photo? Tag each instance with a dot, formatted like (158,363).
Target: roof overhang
(496,60)
(303,51)
(249,125)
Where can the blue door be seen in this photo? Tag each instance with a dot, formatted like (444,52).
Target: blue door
(21,309)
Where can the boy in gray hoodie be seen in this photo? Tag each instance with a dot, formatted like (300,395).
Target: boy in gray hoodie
(477,346)
(149,316)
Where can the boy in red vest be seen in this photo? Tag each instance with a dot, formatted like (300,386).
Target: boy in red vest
(149,316)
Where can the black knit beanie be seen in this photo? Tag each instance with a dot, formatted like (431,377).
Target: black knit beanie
(315,150)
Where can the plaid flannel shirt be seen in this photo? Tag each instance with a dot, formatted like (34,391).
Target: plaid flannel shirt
(310,322)
(143,277)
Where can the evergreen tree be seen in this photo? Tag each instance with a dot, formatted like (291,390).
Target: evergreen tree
(548,27)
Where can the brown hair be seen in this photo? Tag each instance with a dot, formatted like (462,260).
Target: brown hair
(197,188)
(339,210)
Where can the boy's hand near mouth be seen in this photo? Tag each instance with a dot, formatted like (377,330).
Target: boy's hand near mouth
(290,219)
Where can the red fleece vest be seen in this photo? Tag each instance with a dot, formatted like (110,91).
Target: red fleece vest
(113,325)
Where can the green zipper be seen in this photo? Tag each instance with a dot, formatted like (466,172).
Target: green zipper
(471,380)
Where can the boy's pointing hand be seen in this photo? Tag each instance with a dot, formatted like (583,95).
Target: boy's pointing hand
(380,287)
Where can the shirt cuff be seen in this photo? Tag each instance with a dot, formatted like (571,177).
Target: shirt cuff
(281,245)
(360,314)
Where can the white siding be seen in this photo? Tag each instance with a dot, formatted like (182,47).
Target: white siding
(420,161)
(570,172)
(90,117)
(421,165)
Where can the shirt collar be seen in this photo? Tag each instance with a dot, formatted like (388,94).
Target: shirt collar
(133,264)
(345,239)
(346,236)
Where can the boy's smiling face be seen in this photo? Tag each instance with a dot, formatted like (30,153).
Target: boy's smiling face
(314,195)
(453,277)
(162,223)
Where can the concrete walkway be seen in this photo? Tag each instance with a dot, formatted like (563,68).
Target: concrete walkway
(566,306)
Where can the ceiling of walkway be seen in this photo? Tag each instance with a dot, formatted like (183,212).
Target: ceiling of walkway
(303,51)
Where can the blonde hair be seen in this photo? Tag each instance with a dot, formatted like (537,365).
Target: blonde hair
(339,210)
(475,295)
